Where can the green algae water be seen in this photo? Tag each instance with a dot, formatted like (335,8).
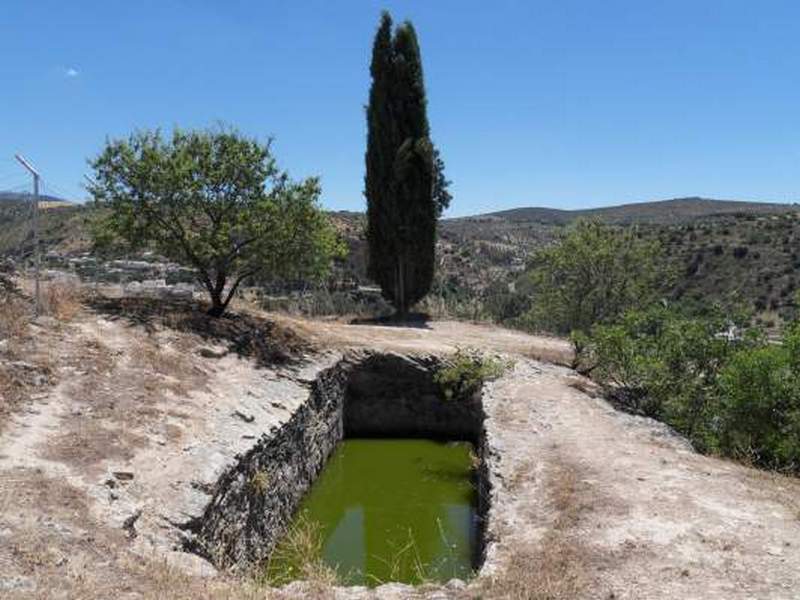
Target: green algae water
(393,510)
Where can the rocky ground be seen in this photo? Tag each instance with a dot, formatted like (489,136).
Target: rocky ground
(104,466)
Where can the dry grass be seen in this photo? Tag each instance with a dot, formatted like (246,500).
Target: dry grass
(26,364)
(165,356)
(299,557)
(781,488)
(61,299)
(14,317)
(554,568)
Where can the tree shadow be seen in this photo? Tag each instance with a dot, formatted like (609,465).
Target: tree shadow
(416,320)
(250,336)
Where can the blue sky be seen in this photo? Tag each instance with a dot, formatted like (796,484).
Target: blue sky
(561,103)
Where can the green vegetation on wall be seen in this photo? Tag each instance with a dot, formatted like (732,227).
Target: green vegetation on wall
(466,372)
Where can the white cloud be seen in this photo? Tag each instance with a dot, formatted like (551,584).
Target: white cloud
(71,72)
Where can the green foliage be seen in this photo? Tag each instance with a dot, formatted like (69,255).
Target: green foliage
(441,185)
(760,404)
(592,275)
(405,185)
(725,387)
(214,200)
(467,371)
(664,363)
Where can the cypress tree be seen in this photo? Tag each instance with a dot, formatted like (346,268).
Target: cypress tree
(405,186)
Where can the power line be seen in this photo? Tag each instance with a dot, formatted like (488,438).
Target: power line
(57,192)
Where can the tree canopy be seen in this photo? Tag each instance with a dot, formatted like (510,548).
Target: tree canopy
(405,185)
(591,275)
(214,200)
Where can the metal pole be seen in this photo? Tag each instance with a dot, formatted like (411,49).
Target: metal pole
(37,258)
(37,254)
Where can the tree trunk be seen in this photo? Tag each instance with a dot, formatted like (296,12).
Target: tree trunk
(402,308)
(218,306)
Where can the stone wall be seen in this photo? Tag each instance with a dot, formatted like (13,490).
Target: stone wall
(381,395)
(390,395)
(255,500)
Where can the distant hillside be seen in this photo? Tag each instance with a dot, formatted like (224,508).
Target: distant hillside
(662,212)
(724,249)
(15,198)
(62,224)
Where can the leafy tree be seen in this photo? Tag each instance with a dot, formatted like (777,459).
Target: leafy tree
(405,185)
(591,275)
(214,200)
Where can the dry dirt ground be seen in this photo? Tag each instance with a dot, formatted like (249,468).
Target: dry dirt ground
(142,411)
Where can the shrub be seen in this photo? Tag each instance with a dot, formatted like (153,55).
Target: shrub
(14,316)
(504,305)
(259,482)
(760,405)
(61,299)
(467,371)
(664,363)
(725,387)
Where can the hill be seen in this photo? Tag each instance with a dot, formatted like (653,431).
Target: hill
(8,199)
(663,212)
(745,251)
(62,224)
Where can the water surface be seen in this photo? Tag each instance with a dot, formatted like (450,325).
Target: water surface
(396,510)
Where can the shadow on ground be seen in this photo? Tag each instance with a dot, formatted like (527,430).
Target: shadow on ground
(417,320)
(249,336)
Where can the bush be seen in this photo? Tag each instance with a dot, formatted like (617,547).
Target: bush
(62,299)
(14,316)
(760,404)
(725,387)
(467,371)
(663,363)
(503,305)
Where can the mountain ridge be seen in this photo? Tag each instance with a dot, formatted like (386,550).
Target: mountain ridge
(25,197)
(670,210)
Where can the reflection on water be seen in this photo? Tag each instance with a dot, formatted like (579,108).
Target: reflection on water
(396,510)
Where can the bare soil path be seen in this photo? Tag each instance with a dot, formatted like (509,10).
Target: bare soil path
(98,476)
